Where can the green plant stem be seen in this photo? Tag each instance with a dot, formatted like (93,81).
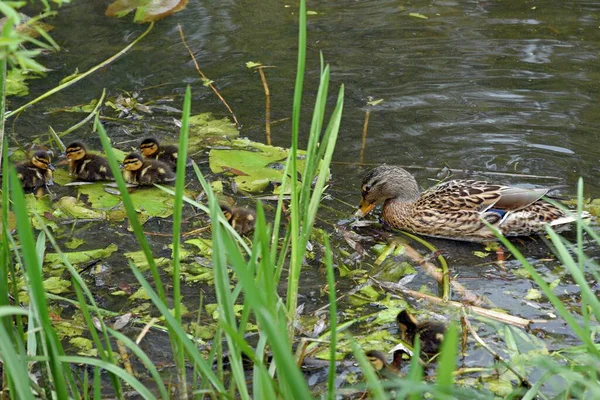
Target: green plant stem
(86,119)
(83,75)
(2,106)
(297,252)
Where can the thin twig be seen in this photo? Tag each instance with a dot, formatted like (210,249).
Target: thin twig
(434,272)
(364,136)
(263,78)
(83,75)
(524,382)
(237,124)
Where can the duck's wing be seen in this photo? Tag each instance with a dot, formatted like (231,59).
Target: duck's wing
(479,196)
(461,194)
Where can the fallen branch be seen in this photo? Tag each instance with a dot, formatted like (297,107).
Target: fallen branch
(483,312)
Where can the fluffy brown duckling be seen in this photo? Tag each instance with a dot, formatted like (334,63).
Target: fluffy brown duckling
(36,172)
(86,166)
(241,219)
(152,149)
(430,333)
(142,172)
(380,364)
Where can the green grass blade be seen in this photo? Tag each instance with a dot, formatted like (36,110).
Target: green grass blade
(332,319)
(34,274)
(130,209)
(121,373)
(191,349)
(148,363)
(447,360)
(373,382)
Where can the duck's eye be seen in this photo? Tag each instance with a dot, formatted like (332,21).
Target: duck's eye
(366,187)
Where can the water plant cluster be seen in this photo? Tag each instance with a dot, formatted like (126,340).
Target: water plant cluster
(254,351)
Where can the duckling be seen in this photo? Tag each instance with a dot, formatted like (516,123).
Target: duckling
(142,172)
(36,172)
(379,362)
(151,149)
(430,333)
(85,166)
(241,219)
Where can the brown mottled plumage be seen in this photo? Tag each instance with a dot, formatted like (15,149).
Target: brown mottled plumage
(86,166)
(241,219)
(142,172)
(152,149)
(430,333)
(36,172)
(456,209)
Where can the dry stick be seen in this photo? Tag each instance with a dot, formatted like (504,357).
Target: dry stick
(267,104)
(433,271)
(237,124)
(484,312)
(125,357)
(498,357)
(144,331)
(83,75)
(364,136)
(462,171)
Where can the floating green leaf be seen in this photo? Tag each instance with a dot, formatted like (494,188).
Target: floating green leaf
(56,285)
(252,64)
(203,126)
(79,257)
(254,165)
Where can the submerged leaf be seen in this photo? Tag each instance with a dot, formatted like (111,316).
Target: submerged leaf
(56,285)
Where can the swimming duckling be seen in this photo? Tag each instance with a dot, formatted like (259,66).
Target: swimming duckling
(150,148)
(142,172)
(36,172)
(430,333)
(379,362)
(85,166)
(241,219)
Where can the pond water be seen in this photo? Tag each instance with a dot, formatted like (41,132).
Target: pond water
(506,87)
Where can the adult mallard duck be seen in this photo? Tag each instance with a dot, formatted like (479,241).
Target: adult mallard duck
(152,149)
(430,333)
(86,166)
(37,172)
(456,209)
(142,172)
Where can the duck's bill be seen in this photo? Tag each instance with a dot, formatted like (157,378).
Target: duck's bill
(364,208)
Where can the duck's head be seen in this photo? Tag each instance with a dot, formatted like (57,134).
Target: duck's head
(75,151)
(386,182)
(41,159)
(149,147)
(132,162)
(377,359)
(406,322)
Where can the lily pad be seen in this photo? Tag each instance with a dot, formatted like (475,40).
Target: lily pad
(253,164)
(147,10)
(43,207)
